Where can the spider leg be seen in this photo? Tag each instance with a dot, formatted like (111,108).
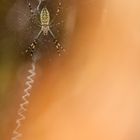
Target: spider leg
(39,3)
(33,45)
(57,24)
(32,11)
(56,42)
(57,12)
(30,8)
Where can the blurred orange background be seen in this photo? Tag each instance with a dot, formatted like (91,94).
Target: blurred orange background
(92,92)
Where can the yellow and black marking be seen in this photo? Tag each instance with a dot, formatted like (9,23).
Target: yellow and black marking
(58,46)
(30,7)
(32,47)
(45,17)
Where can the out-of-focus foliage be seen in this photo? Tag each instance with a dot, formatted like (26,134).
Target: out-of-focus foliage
(9,60)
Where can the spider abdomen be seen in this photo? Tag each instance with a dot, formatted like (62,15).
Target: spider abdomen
(45,17)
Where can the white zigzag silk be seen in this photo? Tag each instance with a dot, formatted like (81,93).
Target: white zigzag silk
(25,101)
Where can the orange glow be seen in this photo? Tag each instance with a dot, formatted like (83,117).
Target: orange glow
(93,91)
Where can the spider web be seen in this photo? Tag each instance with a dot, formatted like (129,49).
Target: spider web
(27,26)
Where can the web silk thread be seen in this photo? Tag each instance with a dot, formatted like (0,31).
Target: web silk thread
(25,101)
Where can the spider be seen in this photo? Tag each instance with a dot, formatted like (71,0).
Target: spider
(45,22)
